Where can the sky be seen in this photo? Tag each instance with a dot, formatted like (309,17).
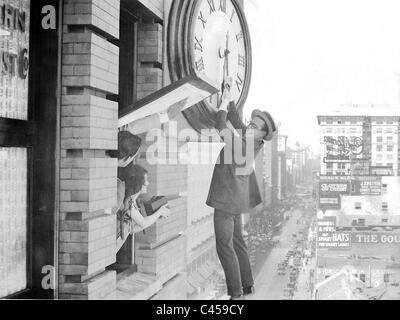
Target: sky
(312,56)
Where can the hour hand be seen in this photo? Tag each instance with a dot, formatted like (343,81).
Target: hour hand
(223,53)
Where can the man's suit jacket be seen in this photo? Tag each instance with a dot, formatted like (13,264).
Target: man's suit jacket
(231,192)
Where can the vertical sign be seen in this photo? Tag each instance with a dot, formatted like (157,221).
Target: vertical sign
(14,66)
(14,58)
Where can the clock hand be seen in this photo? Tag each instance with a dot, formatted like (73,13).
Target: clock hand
(226,63)
(224,54)
(227,52)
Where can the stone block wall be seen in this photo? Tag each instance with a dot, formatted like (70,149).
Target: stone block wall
(150,58)
(89,121)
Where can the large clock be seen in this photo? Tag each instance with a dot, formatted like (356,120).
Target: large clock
(209,38)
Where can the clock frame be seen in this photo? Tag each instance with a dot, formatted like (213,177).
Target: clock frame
(180,53)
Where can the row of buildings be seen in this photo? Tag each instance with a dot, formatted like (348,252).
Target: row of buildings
(359,213)
(280,168)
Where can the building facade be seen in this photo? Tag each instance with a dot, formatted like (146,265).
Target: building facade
(358,221)
(360,141)
(282,173)
(70,68)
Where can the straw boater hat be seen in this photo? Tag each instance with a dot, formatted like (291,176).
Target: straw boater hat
(128,141)
(270,126)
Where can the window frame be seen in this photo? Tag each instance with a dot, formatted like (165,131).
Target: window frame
(128,77)
(40,135)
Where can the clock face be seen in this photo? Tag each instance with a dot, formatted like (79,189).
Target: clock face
(209,38)
(218,45)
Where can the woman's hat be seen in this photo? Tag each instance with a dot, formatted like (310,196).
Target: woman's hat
(270,126)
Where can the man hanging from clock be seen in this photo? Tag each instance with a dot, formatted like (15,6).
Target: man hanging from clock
(234,189)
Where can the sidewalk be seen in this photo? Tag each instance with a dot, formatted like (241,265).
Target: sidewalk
(303,284)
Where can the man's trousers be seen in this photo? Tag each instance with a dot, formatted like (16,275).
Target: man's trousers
(232,252)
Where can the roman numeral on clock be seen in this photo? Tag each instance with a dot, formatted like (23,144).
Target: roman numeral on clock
(202,19)
(239,83)
(222,6)
(241,61)
(198,44)
(200,65)
(212,5)
(239,36)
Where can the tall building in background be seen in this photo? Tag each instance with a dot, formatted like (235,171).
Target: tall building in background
(275,169)
(360,140)
(358,224)
(266,166)
(282,170)
(300,163)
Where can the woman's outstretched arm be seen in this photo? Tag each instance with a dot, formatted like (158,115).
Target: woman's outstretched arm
(142,223)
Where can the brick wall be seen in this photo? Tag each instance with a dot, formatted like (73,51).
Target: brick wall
(165,261)
(200,226)
(166,179)
(88,184)
(150,58)
(161,250)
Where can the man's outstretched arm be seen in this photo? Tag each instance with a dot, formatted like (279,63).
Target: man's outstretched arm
(222,115)
(234,118)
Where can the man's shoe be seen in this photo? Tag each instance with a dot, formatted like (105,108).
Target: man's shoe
(249,290)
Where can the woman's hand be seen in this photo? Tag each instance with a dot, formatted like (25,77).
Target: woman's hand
(165,212)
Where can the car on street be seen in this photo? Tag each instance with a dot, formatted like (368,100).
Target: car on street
(294,287)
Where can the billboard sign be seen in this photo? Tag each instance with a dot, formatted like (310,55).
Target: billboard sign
(334,178)
(337,159)
(375,238)
(360,167)
(14,58)
(343,146)
(361,186)
(329,238)
(334,187)
(329,202)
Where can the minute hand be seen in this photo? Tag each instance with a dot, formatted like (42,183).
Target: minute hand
(226,63)
(227,52)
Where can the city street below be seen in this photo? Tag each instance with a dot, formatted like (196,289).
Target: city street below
(269,284)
